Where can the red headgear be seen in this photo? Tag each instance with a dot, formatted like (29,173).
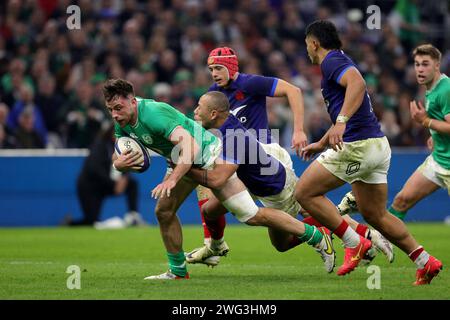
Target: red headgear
(226,57)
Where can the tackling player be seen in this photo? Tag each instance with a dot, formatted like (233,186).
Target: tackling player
(268,180)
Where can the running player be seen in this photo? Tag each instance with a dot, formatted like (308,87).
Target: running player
(360,155)
(434,173)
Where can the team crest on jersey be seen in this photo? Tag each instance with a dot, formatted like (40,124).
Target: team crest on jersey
(239,95)
(147,138)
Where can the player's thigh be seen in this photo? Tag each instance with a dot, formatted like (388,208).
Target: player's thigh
(230,188)
(316,180)
(371,199)
(236,199)
(416,188)
(170,205)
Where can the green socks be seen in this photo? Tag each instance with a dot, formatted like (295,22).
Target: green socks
(312,235)
(399,214)
(177,263)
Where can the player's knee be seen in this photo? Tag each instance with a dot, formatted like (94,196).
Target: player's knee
(402,202)
(163,214)
(301,194)
(258,219)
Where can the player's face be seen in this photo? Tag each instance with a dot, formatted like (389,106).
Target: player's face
(219,75)
(425,68)
(311,47)
(122,110)
(202,113)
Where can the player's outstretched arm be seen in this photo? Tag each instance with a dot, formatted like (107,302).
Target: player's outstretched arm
(186,149)
(214,178)
(295,99)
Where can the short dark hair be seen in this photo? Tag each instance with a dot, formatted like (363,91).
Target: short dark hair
(427,50)
(117,88)
(326,33)
(219,101)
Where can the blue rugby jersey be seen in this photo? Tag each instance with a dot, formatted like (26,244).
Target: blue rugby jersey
(247,96)
(262,174)
(363,124)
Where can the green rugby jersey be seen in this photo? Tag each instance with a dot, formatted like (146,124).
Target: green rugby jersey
(437,104)
(157,120)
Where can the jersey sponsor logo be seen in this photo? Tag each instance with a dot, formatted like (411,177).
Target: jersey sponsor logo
(243,119)
(239,95)
(353,168)
(235,111)
(147,138)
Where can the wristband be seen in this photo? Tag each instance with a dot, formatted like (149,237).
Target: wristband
(428,125)
(342,118)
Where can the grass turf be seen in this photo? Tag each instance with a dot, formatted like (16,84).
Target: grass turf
(33,264)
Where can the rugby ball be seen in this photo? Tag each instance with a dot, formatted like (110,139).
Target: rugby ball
(126,143)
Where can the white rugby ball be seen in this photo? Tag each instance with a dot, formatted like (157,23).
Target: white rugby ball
(126,143)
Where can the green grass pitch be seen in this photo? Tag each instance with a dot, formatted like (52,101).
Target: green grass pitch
(113,264)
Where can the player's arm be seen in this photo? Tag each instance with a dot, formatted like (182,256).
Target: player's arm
(310,150)
(355,86)
(187,149)
(419,115)
(295,99)
(355,89)
(437,125)
(214,178)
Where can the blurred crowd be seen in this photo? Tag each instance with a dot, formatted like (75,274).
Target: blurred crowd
(51,76)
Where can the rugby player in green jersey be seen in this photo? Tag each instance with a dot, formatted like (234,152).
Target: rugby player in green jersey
(434,173)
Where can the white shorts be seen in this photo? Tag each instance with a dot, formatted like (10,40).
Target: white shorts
(434,172)
(279,153)
(363,160)
(285,200)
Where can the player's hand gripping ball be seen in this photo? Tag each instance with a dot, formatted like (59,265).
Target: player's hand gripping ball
(126,143)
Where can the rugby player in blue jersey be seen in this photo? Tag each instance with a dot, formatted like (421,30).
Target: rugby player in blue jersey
(359,155)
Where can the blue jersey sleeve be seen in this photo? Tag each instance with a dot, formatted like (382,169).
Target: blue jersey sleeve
(260,85)
(335,67)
